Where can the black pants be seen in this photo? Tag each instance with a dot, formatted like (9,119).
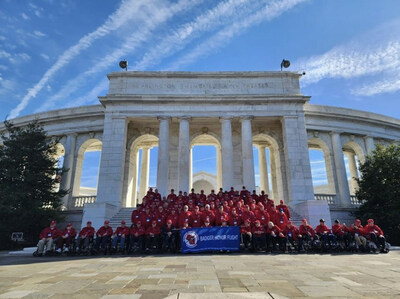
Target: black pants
(82,244)
(169,242)
(379,241)
(259,242)
(246,240)
(138,241)
(153,242)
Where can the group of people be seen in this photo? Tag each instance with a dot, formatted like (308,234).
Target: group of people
(157,221)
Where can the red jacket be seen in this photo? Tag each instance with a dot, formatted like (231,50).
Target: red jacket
(87,232)
(373,230)
(263,217)
(139,230)
(245,229)
(339,230)
(293,232)
(322,229)
(49,233)
(208,214)
(275,229)
(220,217)
(174,218)
(153,230)
(357,230)
(135,216)
(196,220)
(146,219)
(103,230)
(281,220)
(184,217)
(70,232)
(306,229)
(235,220)
(122,231)
(258,231)
(284,208)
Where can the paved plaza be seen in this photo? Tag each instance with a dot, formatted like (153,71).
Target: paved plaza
(202,276)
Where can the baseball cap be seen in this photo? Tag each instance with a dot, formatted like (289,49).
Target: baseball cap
(106,222)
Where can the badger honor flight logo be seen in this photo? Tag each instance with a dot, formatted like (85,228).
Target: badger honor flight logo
(191,238)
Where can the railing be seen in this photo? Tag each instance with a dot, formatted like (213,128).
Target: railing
(78,202)
(354,201)
(330,198)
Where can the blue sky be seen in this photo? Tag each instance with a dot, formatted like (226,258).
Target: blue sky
(56,54)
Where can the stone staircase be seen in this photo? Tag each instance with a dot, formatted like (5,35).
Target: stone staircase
(294,217)
(123,214)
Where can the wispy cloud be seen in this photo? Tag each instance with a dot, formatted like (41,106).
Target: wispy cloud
(45,56)
(123,14)
(360,58)
(38,33)
(14,58)
(270,11)
(24,16)
(204,159)
(151,18)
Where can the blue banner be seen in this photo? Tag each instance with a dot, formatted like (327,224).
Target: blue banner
(210,239)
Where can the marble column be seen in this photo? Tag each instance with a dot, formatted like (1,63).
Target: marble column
(133,179)
(111,172)
(219,169)
(297,160)
(262,161)
(353,172)
(163,156)
(369,144)
(274,181)
(144,173)
(343,191)
(66,179)
(247,154)
(227,153)
(183,155)
(191,169)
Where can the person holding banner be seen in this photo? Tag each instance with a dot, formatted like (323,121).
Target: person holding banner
(234,219)
(184,215)
(208,214)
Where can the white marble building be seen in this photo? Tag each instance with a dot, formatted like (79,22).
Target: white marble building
(233,111)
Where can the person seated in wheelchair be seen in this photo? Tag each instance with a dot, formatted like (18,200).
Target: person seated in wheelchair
(375,234)
(67,236)
(325,235)
(120,236)
(246,235)
(357,232)
(168,237)
(291,232)
(306,236)
(274,237)
(259,237)
(153,237)
(85,238)
(137,237)
(103,236)
(47,238)
(342,234)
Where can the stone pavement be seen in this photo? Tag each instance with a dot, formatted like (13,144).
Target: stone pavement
(202,276)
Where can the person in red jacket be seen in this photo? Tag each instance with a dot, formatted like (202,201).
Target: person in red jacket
(375,234)
(274,237)
(174,217)
(357,231)
(85,236)
(281,219)
(262,215)
(120,235)
(208,214)
(169,235)
(153,237)
(171,198)
(306,234)
(234,219)
(247,214)
(137,238)
(342,234)
(220,216)
(284,207)
(246,235)
(196,218)
(47,237)
(103,235)
(66,237)
(325,235)
(135,216)
(291,233)
(184,215)
(259,237)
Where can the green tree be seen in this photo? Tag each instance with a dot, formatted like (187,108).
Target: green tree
(28,178)
(379,190)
